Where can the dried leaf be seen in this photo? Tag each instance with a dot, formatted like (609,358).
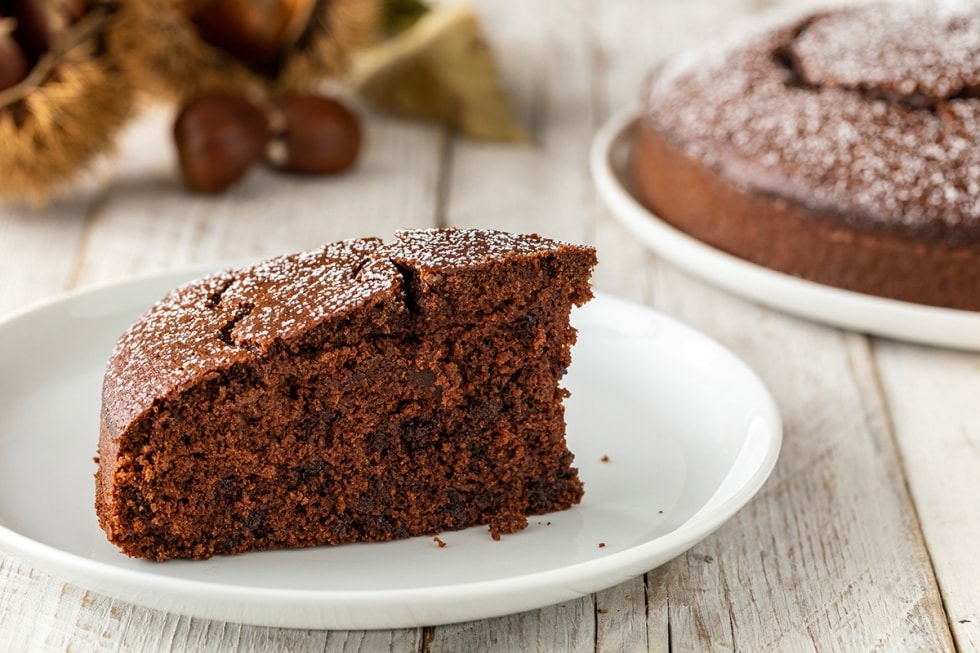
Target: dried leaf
(441,69)
(399,15)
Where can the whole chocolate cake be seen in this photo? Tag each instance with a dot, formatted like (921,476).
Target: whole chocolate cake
(842,147)
(364,391)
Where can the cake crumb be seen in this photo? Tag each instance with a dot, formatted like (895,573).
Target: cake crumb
(604,458)
(437,540)
(602,545)
(505,524)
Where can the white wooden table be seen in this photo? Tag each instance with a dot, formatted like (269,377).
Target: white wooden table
(865,537)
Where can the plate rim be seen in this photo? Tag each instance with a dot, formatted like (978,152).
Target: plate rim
(562,583)
(879,316)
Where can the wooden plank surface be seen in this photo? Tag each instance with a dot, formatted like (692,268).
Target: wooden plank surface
(933,398)
(863,539)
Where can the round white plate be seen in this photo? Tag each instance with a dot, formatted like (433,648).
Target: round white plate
(689,431)
(611,153)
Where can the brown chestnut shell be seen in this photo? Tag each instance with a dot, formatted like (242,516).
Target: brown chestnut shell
(59,120)
(168,49)
(320,135)
(219,137)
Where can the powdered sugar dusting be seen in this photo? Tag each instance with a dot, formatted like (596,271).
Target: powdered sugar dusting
(919,54)
(221,320)
(437,248)
(291,292)
(235,316)
(836,113)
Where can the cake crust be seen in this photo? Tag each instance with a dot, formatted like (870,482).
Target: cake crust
(791,146)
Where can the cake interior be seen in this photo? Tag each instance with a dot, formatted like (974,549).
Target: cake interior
(437,407)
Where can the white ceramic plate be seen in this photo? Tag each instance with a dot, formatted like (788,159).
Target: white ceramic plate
(691,434)
(611,153)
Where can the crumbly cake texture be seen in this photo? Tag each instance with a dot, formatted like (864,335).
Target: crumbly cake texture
(857,126)
(364,391)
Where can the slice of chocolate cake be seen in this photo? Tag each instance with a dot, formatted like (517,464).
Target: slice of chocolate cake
(365,391)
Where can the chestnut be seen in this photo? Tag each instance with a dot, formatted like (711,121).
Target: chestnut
(34,26)
(13,63)
(219,137)
(254,31)
(28,28)
(76,9)
(319,135)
